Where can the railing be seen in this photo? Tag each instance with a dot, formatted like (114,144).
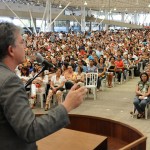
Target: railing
(135,144)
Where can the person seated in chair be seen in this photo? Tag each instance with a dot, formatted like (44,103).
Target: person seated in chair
(101,72)
(142,94)
(91,67)
(80,64)
(80,76)
(38,86)
(119,67)
(25,75)
(70,77)
(111,71)
(56,87)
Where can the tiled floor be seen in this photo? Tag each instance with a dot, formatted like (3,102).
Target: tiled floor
(115,104)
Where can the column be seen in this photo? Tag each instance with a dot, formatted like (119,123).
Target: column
(106,15)
(51,27)
(90,27)
(122,17)
(34,21)
(83,18)
(106,27)
(47,19)
(100,26)
(107,18)
(67,25)
(136,18)
(49,16)
(89,12)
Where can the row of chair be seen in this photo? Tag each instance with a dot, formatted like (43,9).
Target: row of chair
(90,82)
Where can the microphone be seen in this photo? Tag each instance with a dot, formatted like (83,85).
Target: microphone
(44,62)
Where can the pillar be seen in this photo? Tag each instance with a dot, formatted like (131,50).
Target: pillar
(67,25)
(122,17)
(106,27)
(90,27)
(49,16)
(83,18)
(136,18)
(34,21)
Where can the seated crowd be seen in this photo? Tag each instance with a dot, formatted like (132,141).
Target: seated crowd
(113,55)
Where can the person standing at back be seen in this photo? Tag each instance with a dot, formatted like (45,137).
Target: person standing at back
(19,127)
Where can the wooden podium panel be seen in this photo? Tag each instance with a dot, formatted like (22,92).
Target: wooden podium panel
(66,139)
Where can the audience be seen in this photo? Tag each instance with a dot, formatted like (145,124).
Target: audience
(110,54)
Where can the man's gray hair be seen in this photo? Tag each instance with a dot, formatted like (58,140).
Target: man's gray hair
(7,37)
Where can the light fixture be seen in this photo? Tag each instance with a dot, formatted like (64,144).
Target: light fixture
(149,5)
(115,9)
(102,11)
(85,3)
(60,6)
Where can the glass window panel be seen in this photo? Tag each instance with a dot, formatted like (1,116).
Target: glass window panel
(26,22)
(5,19)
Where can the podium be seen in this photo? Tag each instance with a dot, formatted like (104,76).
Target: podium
(118,135)
(66,139)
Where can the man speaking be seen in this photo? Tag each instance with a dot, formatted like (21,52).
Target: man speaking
(19,127)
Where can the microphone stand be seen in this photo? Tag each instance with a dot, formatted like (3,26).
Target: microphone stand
(30,80)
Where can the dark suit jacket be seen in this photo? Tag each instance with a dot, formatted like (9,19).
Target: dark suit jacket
(19,127)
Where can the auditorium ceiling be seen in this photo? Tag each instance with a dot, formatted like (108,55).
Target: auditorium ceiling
(132,6)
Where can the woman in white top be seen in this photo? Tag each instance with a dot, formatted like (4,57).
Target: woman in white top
(38,86)
(56,87)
